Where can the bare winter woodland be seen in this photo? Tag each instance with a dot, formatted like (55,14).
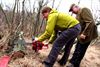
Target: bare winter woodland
(17,19)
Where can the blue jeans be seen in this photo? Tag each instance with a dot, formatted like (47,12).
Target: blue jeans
(67,37)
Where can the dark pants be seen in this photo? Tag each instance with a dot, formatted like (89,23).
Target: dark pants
(67,37)
(66,51)
(79,53)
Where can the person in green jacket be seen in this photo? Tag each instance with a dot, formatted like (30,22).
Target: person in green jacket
(87,34)
(57,21)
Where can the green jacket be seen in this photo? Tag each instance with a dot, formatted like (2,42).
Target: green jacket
(57,21)
(87,24)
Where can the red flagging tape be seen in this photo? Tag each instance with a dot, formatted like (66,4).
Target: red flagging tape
(4,61)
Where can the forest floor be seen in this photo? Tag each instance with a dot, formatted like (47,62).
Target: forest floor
(32,59)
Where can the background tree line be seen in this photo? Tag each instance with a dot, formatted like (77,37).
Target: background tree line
(30,21)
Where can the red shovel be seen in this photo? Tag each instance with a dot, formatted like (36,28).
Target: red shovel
(4,61)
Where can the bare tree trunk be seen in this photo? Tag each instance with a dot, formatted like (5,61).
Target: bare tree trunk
(41,24)
(12,36)
(30,5)
(37,23)
(53,3)
(33,24)
(18,18)
(3,40)
(23,13)
(8,24)
(13,18)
